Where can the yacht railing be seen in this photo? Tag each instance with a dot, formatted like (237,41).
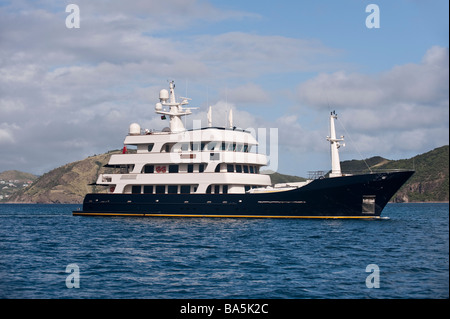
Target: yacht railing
(323,174)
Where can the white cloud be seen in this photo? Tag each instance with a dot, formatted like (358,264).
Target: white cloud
(7,133)
(69,93)
(402,109)
(248,93)
(239,54)
(411,83)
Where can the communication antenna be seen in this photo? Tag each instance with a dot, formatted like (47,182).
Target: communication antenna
(356,146)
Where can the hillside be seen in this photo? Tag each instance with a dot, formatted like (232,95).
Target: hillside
(12,181)
(430,183)
(276,178)
(69,183)
(65,184)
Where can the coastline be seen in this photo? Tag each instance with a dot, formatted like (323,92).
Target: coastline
(18,203)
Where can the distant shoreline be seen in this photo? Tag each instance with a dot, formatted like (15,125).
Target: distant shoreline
(15,203)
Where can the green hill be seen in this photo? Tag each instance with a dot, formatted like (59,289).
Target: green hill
(430,183)
(276,178)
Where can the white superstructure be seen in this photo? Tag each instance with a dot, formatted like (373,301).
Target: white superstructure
(207,160)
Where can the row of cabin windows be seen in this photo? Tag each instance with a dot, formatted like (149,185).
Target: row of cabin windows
(231,168)
(217,189)
(148,169)
(223,189)
(217,146)
(163,189)
(181,189)
(238,168)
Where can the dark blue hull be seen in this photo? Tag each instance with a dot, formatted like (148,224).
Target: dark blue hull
(358,196)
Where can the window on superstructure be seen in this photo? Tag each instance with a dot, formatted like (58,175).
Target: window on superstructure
(251,169)
(230,168)
(136,189)
(216,189)
(185,189)
(211,146)
(173,168)
(172,189)
(217,170)
(160,189)
(148,169)
(225,189)
(195,146)
(239,147)
(208,190)
(238,168)
(201,168)
(125,169)
(185,147)
(190,168)
(245,168)
(246,148)
(150,147)
(148,189)
(223,147)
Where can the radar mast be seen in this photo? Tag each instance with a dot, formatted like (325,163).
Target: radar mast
(334,144)
(176,109)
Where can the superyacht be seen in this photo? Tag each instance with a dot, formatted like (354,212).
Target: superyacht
(215,172)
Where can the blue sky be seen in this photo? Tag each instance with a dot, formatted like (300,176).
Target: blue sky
(69,93)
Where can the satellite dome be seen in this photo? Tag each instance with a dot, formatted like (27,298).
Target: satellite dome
(163,95)
(135,129)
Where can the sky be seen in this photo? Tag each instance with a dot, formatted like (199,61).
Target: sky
(67,93)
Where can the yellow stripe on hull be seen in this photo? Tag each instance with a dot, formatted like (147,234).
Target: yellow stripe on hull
(222,216)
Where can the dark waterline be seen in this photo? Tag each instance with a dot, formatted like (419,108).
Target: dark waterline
(173,258)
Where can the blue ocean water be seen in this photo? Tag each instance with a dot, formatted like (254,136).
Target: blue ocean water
(174,258)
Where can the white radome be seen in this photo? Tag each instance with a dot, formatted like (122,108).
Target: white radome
(135,129)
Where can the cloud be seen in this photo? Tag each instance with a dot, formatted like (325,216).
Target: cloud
(403,109)
(69,93)
(251,55)
(411,83)
(248,93)
(7,132)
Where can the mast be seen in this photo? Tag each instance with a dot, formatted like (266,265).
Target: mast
(210,117)
(176,110)
(334,144)
(230,119)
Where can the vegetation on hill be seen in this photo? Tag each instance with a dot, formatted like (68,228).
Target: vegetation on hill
(66,184)
(431,179)
(277,178)
(430,182)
